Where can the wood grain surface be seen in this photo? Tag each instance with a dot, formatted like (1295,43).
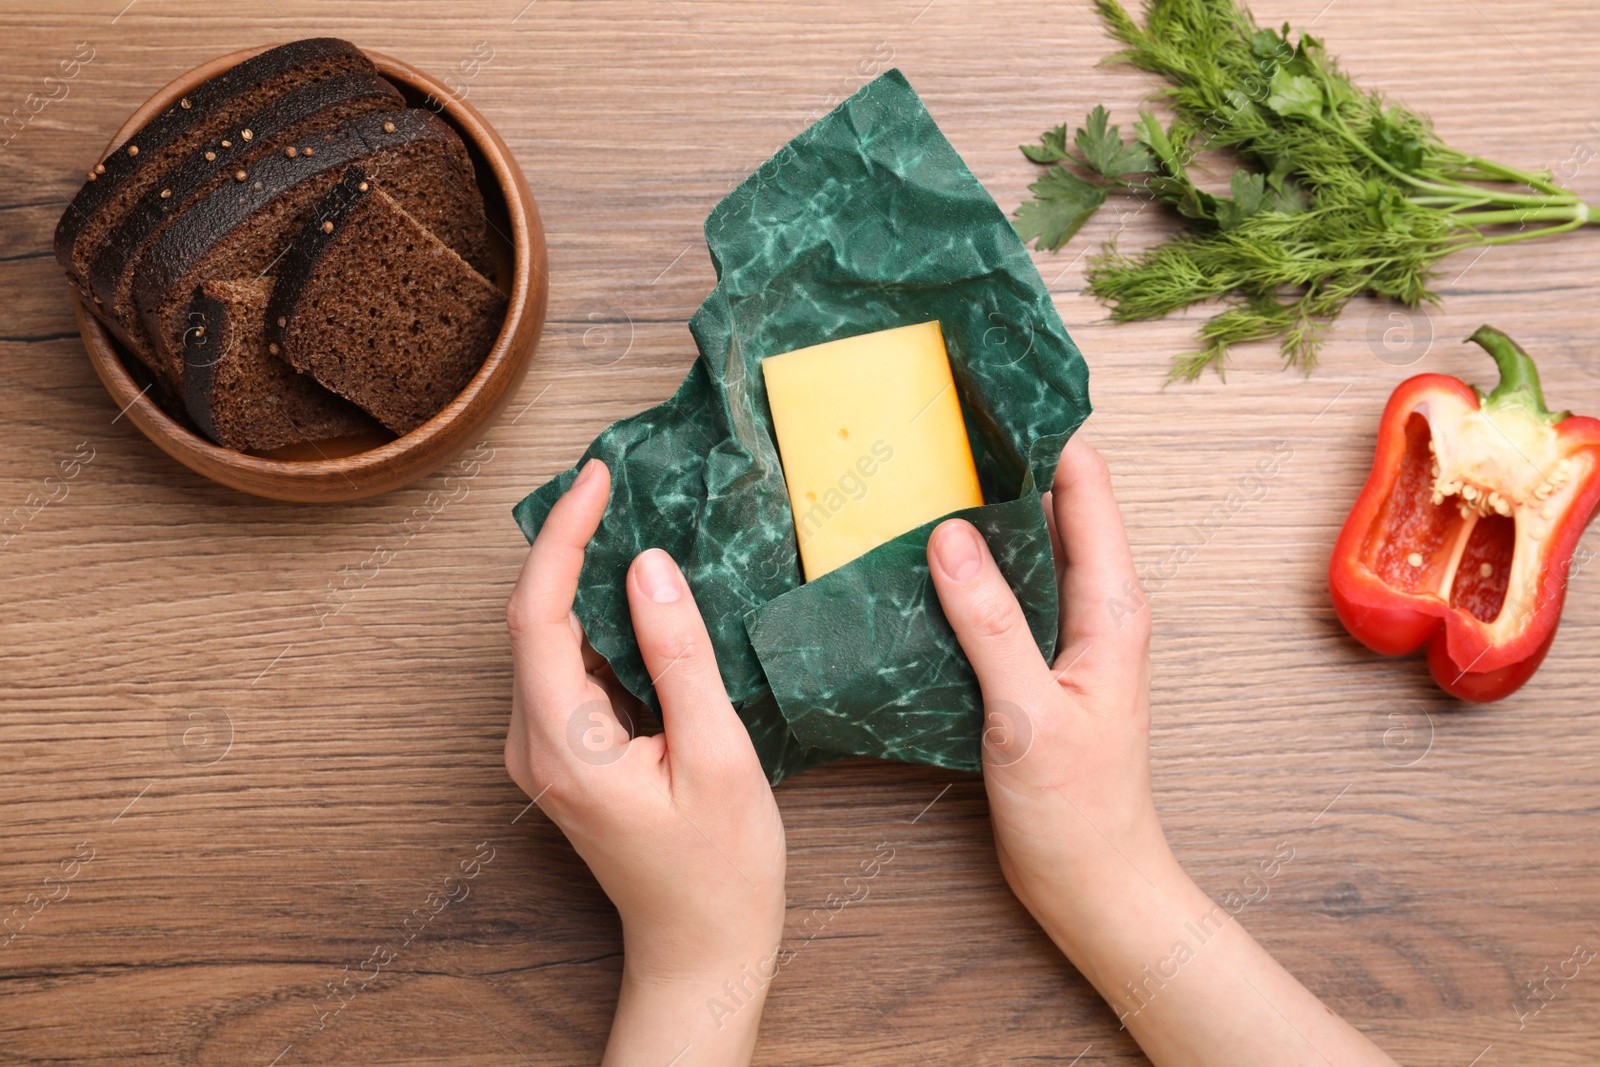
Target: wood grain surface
(259,735)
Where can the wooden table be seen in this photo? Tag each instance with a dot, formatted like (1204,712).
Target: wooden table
(257,750)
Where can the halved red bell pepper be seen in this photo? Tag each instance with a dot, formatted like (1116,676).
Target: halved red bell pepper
(1464,534)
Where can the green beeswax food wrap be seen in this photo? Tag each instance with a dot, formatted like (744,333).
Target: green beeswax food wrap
(866,221)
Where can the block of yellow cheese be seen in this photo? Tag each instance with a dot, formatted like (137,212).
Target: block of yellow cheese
(871,438)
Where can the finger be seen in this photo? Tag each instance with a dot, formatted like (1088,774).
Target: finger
(1100,594)
(985,615)
(549,660)
(700,724)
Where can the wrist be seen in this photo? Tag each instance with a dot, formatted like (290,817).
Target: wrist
(709,1008)
(1104,886)
(1130,922)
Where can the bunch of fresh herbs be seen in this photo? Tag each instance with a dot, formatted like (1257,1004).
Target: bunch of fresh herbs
(1342,193)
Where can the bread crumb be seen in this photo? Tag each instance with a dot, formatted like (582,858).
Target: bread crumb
(273,348)
(282,321)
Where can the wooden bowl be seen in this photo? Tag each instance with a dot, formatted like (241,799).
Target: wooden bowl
(350,468)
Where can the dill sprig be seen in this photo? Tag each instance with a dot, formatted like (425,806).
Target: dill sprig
(1343,193)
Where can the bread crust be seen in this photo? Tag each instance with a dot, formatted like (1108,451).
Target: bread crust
(304,112)
(213,106)
(241,228)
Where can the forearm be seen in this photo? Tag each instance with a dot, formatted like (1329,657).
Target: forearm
(707,1021)
(1191,984)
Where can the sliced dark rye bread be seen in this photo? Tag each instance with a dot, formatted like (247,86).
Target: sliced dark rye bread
(242,228)
(305,112)
(207,113)
(239,394)
(378,309)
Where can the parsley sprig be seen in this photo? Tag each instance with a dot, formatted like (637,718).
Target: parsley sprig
(1343,193)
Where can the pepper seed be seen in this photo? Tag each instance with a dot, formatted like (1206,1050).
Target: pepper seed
(1415,559)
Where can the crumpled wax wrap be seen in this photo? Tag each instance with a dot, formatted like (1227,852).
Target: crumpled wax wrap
(866,221)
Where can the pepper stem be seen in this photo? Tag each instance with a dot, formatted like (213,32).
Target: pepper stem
(1519,378)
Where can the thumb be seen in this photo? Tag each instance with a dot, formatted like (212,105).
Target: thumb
(986,617)
(702,729)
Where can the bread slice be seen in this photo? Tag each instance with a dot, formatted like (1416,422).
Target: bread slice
(379,310)
(239,394)
(302,113)
(241,229)
(207,114)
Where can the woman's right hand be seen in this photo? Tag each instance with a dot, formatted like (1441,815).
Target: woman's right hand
(1066,746)
(1067,766)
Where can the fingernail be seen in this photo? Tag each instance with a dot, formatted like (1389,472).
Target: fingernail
(659,577)
(958,550)
(584,474)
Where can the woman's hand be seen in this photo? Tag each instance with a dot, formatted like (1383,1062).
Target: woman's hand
(1066,747)
(680,829)
(1067,765)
